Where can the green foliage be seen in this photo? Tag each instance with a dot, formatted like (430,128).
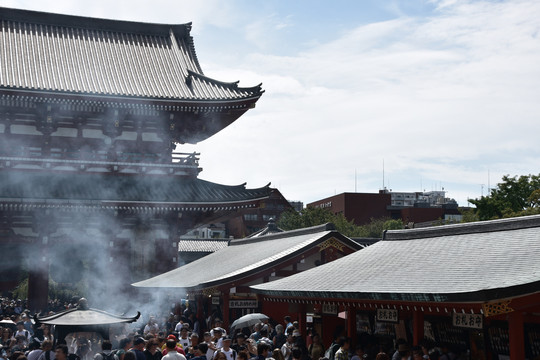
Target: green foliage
(469,215)
(312,216)
(514,196)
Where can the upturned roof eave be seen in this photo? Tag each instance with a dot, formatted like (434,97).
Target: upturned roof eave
(128,99)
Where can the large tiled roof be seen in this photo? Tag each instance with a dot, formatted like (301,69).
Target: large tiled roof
(466,262)
(43,52)
(244,257)
(23,188)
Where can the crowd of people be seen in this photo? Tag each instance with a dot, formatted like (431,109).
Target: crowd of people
(182,338)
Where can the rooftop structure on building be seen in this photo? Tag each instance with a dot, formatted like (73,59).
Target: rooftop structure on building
(91,113)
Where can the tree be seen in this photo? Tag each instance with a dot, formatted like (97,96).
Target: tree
(312,216)
(514,196)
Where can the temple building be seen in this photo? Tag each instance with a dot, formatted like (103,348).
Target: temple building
(472,287)
(91,183)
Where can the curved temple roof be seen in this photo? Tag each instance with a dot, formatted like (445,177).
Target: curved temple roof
(472,262)
(25,187)
(52,53)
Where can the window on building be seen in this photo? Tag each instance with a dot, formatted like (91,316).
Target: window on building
(250,217)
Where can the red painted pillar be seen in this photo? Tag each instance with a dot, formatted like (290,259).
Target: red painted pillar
(301,316)
(418,327)
(226,310)
(516,335)
(351,325)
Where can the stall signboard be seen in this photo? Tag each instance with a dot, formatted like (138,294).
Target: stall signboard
(471,321)
(243,304)
(215,300)
(387,315)
(330,309)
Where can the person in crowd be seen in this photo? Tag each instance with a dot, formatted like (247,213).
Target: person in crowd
(130,355)
(193,340)
(20,344)
(7,335)
(183,338)
(279,338)
(277,355)
(151,327)
(178,347)
(46,333)
(287,321)
(240,343)
(172,354)
(27,323)
(200,351)
(296,354)
(152,351)
(21,331)
(358,353)
(343,352)
(286,349)
(48,353)
(106,352)
(316,349)
(61,352)
(262,351)
(400,343)
(218,355)
(255,335)
(84,348)
(230,354)
(123,346)
(264,337)
(34,351)
(242,355)
(210,346)
(138,348)
(382,356)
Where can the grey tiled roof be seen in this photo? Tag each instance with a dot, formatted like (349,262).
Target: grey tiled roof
(202,245)
(244,257)
(465,262)
(43,52)
(80,188)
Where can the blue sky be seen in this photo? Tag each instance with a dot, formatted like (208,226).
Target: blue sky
(442,91)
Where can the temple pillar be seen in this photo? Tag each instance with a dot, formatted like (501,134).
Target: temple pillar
(418,327)
(516,335)
(351,323)
(38,279)
(301,316)
(226,310)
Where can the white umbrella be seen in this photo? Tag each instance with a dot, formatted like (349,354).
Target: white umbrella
(249,320)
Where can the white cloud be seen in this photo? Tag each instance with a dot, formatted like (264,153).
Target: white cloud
(440,98)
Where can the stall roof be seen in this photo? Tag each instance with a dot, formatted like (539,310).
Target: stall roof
(85,317)
(245,257)
(472,262)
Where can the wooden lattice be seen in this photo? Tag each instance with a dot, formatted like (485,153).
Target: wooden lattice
(502,307)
